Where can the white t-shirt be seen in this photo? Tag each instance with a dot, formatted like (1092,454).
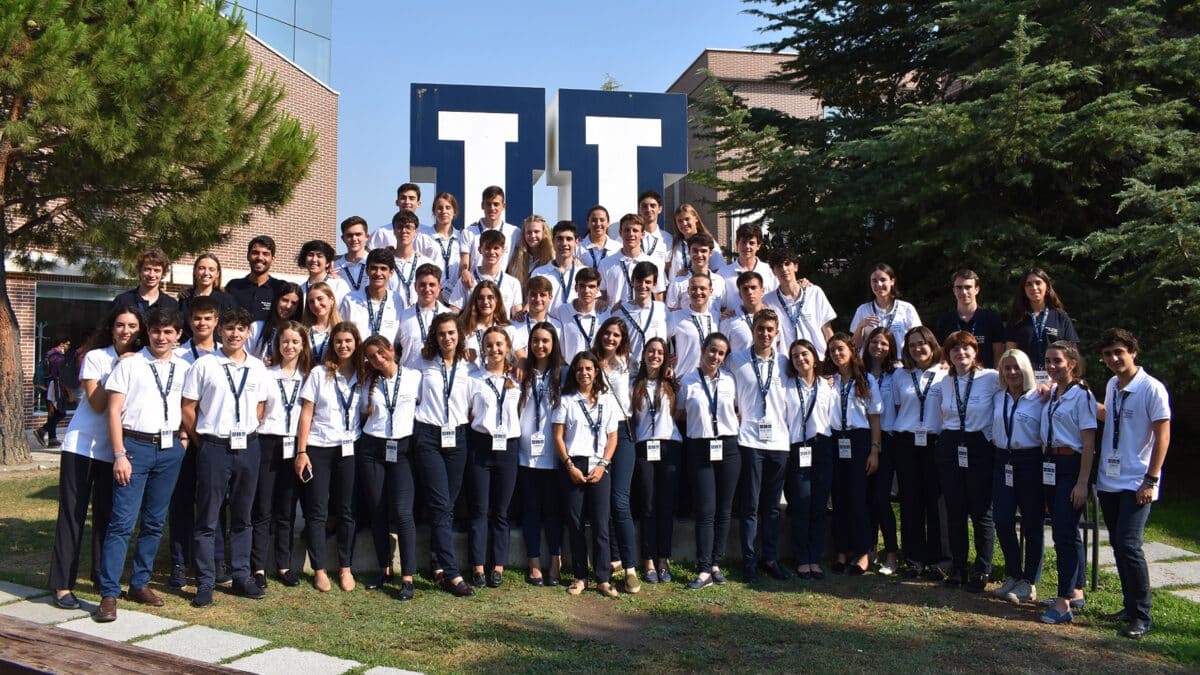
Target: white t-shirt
(414,327)
(372,316)
(1026,416)
(643,323)
(658,424)
(689,329)
(730,273)
(562,283)
(816,402)
(445,252)
(578,330)
(900,319)
(1064,419)
(444,398)
(616,276)
(978,404)
(857,409)
(87,434)
(677,291)
(761,399)
(283,391)
(581,438)
(335,407)
(802,317)
(1138,406)
(908,398)
(145,408)
(400,391)
(698,406)
(485,405)
(218,410)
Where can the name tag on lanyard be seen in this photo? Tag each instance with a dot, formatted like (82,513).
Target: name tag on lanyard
(716,450)
(765,433)
(1112,467)
(1049,474)
(653,450)
(289,447)
(962,456)
(391,451)
(921,438)
(499,441)
(166,439)
(449,436)
(804,456)
(537,444)
(237,440)
(347,445)
(1008,475)
(843,448)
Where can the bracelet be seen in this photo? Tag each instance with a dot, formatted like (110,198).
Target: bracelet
(301,452)
(118,454)
(604,463)
(1150,481)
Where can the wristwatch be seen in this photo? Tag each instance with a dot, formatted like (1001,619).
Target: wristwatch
(603,462)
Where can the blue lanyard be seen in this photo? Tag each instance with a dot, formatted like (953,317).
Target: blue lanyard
(763,388)
(165,392)
(703,333)
(687,258)
(963,401)
(712,400)
(593,425)
(500,394)
(1051,410)
(318,352)
(375,321)
(406,284)
(796,316)
(345,400)
(1117,422)
(1010,419)
(445,254)
(447,384)
(421,323)
(811,405)
(564,282)
(641,329)
(921,395)
(1039,335)
(628,278)
(362,272)
(886,320)
(592,253)
(540,383)
(390,404)
(845,396)
(588,334)
(237,392)
(288,404)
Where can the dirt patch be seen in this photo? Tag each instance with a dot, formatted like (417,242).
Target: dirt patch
(599,619)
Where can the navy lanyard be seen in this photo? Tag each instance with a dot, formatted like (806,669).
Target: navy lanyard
(652,406)
(318,352)
(406,284)
(288,404)
(498,280)
(1051,409)
(375,321)
(845,391)
(445,254)
(921,395)
(654,246)
(811,404)
(1010,418)
(628,278)
(703,333)
(1117,422)
(565,283)
(687,259)
(421,324)
(540,383)
(1039,335)
(447,384)
(593,425)
(641,329)
(500,394)
(195,354)
(588,334)
(762,388)
(712,400)
(164,392)
(237,392)
(796,316)
(345,400)
(362,272)
(886,320)
(963,401)
(390,404)
(592,253)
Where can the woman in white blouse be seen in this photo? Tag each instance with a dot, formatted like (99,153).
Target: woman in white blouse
(885,308)
(541,486)
(810,404)
(659,448)
(964,457)
(484,309)
(320,314)
(585,438)
(881,359)
(329,427)
(492,458)
(385,465)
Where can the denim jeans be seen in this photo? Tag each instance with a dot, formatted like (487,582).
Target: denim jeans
(1064,524)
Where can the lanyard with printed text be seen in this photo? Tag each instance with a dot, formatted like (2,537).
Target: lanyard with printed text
(237,392)
(164,392)
(1010,419)
(763,388)
(390,403)
(963,401)
(845,391)
(1117,420)
(702,332)
(375,321)
(885,320)
(406,282)
(797,316)
(445,249)
(288,404)
(1051,409)
(590,332)
(807,411)
(540,383)
(593,425)
(565,283)
(447,384)
(712,400)
(921,395)
(500,393)
(362,272)
(345,400)
(1039,335)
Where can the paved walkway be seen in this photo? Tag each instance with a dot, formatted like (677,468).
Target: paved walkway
(140,629)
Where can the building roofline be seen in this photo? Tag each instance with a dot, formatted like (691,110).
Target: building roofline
(295,65)
(691,67)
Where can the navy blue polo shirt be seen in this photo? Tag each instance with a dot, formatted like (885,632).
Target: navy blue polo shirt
(132,298)
(985,325)
(255,299)
(1058,327)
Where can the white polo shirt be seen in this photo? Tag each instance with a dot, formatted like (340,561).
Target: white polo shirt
(400,391)
(677,291)
(405,277)
(473,341)
(146,410)
(900,319)
(472,232)
(283,392)
(643,323)
(218,409)
(802,317)
(761,398)
(87,434)
(372,316)
(444,396)
(353,273)
(1064,419)
(523,328)
(511,292)
(857,408)
(189,352)
(335,407)
(318,340)
(739,330)
(620,381)
(536,417)
(339,287)
(1026,416)
(1138,406)
(580,438)
(984,386)
(816,401)
(579,330)
(731,271)
(657,245)
(657,425)
(445,252)
(698,406)
(689,329)
(593,255)
(616,276)
(562,283)
(414,327)
(680,261)
(487,413)
(908,398)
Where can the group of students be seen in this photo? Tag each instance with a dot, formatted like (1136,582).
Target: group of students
(606,379)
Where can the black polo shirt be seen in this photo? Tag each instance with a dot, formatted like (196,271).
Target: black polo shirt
(132,298)
(256,299)
(986,326)
(1058,327)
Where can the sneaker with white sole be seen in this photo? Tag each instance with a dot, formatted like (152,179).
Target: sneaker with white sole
(1023,591)
(1004,588)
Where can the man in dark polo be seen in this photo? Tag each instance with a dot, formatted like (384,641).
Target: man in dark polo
(257,290)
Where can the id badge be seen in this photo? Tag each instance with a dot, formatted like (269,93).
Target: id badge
(716,450)
(804,456)
(843,448)
(653,450)
(537,444)
(1112,467)
(289,447)
(962,456)
(920,438)
(1008,475)
(449,436)
(1041,377)
(764,432)
(391,451)
(1048,474)
(499,441)
(237,440)
(166,439)
(347,446)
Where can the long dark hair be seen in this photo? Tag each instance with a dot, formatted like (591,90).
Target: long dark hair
(1072,353)
(886,269)
(889,359)
(102,337)
(599,383)
(858,372)
(370,373)
(331,363)
(554,366)
(1020,309)
(468,319)
(430,350)
(623,348)
(665,388)
(267,337)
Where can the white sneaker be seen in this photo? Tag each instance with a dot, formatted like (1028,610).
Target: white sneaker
(1023,591)
(1004,588)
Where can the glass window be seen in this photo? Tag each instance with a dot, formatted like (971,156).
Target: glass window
(284,10)
(312,54)
(314,16)
(279,35)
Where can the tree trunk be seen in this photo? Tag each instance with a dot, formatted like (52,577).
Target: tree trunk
(14,447)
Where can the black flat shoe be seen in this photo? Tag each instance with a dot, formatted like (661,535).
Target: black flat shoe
(289,578)
(459,590)
(774,570)
(535,581)
(855,571)
(68,601)
(495,579)
(749,573)
(478,580)
(1137,629)
(406,590)
(1118,616)
(817,575)
(378,581)
(804,576)
(553,581)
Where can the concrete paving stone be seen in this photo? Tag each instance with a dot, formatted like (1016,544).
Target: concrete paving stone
(288,661)
(1192,594)
(384,670)
(130,624)
(40,610)
(1154,553)
(1173,574)
(10,592)
(203,644)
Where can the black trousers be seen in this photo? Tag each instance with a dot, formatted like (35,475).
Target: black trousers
(274,506)
(655,489)
(542,501)
(851,513)
(440,472)
(388,488)
(714,485)
(588,502)
(879,488)
(182,516)
(80,480)
(920,492)
(221,471)
(330,492)
(491,478)
(1126,523)
(808,499)
(763,476)
(968,495)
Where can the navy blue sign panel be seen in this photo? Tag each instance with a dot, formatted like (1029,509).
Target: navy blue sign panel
(464,138)
(607,146)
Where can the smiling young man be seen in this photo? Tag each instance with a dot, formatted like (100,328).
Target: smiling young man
(376,308)
(352,267)
(491,246)
(656,242)
(316,258)
(144,398)
(560,271)
(803,310)
(493,219)
(416,318)
(405,225)
(749,243)
(408,198)
(151,266)
(616,271)
(740,327)
(700,248)
(257,290)
(967,315)
(645,316)
(580,318)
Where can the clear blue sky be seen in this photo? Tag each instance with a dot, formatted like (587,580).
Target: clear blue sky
(381,46)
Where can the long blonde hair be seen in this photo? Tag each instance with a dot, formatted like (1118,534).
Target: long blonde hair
(524,260)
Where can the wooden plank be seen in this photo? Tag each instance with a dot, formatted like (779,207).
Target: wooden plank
(30,647)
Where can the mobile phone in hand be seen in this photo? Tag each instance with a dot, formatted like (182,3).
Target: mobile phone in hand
(306,474)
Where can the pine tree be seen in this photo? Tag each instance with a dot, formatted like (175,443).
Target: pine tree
(128,124)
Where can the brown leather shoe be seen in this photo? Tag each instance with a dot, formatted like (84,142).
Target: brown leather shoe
(107,611)
(144,596)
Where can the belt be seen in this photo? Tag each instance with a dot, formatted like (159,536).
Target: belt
(224,440)
(137,435)
(1062,451)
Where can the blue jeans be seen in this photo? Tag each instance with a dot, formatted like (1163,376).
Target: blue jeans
(1026,495)
(1126,523)
(808,499)
(623,534)
(147,496)
(763,475)
(1064,524)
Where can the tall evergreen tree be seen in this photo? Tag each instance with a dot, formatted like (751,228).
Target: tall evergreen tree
(128,124)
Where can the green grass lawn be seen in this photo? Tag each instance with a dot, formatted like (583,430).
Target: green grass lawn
(842,623)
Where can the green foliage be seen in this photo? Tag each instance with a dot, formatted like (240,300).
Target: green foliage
(997,135)
(131,124)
